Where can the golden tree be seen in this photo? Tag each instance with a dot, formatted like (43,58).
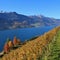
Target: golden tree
(10,43)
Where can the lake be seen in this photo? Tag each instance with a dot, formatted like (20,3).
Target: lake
(23,34)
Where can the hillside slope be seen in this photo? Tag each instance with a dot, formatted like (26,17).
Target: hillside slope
(55,52)
(34,49)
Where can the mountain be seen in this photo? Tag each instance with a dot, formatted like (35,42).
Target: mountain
(45,21)
(13,20)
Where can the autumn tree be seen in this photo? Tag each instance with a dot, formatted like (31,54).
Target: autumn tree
(15,41)
(10,43)
(6,48)
(18,42)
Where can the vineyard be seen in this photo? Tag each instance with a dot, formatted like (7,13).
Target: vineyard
(44,47)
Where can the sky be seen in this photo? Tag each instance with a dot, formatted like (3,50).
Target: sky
(49,8)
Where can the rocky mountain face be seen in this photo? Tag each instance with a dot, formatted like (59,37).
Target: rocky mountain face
(13,20)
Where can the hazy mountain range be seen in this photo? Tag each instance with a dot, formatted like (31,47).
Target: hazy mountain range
(13,20)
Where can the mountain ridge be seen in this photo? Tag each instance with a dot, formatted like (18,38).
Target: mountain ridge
(13,20)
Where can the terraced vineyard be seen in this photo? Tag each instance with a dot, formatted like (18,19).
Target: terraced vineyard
(44,47)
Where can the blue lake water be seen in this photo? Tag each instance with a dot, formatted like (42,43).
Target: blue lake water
(23,34)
